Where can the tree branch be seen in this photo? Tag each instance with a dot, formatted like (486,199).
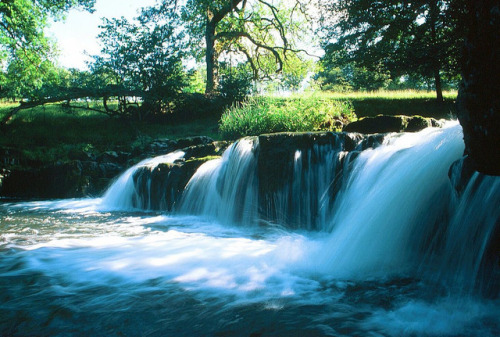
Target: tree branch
(234,35)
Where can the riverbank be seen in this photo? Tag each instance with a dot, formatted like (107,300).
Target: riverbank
(47,144)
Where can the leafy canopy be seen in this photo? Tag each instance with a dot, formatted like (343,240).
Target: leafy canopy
(25,52)
(420,37)
(265,34)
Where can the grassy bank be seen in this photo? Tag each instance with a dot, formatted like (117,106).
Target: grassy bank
(396,102)
(327,111)
(51,133)
(268,114)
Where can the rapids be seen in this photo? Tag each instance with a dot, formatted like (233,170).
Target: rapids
(393,251)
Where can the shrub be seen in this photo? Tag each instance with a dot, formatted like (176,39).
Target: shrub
(266,114)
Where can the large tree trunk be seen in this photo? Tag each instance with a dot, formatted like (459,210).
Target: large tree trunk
(479,94)
(210,58)
(213,18)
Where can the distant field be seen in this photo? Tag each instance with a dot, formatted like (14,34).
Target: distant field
(404,102)
(51,133)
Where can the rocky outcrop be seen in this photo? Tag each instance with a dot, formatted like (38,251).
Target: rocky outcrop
(161,187)
(87,174)
(478,101)
(288,162)
(385,124)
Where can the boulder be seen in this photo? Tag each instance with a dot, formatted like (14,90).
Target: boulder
(161,187)
(386,124)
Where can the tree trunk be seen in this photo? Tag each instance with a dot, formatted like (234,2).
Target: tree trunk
(437,83)
(434,13)
(210,58)
(479,94)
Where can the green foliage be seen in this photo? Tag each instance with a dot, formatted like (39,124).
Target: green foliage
(266,114)
(26,53)
(351,77)
(235,83)
(144,59)
(196,81)
(415,38)
(263,34)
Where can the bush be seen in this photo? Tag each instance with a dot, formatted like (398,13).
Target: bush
(260,115)
(235,87)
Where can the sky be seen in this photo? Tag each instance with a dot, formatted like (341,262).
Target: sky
(77,34)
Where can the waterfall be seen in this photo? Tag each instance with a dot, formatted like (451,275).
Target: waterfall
(386,205)
(471,242)
(225,188)
(124,194)
(393,195)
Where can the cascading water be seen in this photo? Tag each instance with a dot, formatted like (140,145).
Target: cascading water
(375,243)
(225,189)
(123,194)
(395,194)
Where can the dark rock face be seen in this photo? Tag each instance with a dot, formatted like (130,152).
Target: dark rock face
(278,150)
(161,187)
(289,164)
(479,94)
(86,175)
(385,124)
(55,181)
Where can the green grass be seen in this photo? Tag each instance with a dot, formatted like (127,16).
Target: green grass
(390,95)
(267,114)
(401,102)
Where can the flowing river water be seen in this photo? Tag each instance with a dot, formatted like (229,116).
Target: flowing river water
(398,253)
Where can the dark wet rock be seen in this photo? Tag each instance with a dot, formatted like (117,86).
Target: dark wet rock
(159,147)
(203,150)
(386,124)
(61,180)
(278,155)
(193,141)
(161,187)
(114,157)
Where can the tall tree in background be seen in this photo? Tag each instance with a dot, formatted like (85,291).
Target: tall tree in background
(405,37)
(261,32)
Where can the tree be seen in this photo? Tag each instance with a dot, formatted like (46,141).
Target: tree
(143,59)
(25,52)
(419,37)
(260,32)
(23,44)
(479,94)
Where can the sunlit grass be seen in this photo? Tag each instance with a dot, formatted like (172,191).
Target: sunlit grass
(390,95)
(267,114)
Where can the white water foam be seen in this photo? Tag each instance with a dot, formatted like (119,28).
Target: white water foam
(392,190)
